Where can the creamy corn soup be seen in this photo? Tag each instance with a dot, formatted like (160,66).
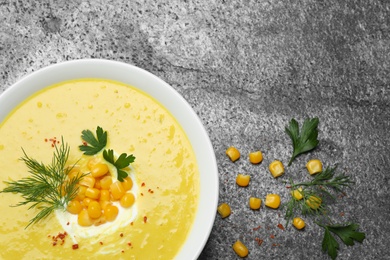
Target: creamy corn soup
(165,174)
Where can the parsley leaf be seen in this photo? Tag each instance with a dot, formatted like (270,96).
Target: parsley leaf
(304,140)
(123,161)
(96,144)
(330,244)
(347,233)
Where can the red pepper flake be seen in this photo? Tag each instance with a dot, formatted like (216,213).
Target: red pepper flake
(256,228)
(280,226)
(85,143)
(121,235)
(129,244)
(101,242)
(75,246)
(46,140)
(123,251)
(145,219)
(288,187)
(131,223)
(143,184)
(67,224)
(142,194)
(259,241)
(61,237)
(272,236)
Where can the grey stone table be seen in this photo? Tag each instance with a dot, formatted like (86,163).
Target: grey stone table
(246,67)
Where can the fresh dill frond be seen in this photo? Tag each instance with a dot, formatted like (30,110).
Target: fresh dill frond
(48,187)
(321,186)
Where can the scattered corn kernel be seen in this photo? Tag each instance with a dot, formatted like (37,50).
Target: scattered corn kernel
(298,223)
(240,249)
(99,169)
(297,194)
(314,202)
(272,201)
(276,168)
(256,157)
(243,180)
(233,153)
(224,210)
(254,203)
(314,166)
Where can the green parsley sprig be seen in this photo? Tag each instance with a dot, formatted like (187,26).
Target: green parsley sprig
(47,188)
(346,232)
(94,145)
(122,162)
(303,140)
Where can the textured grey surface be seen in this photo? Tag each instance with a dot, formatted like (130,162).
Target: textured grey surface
(247,68)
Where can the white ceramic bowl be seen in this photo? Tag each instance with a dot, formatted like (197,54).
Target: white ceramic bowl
(168,97)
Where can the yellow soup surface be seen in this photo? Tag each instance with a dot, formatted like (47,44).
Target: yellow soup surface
(165,172)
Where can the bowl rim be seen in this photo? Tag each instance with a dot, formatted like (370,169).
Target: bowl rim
(169,98)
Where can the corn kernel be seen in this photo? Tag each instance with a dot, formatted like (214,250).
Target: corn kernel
(84,219)
(92,162)
(94,209)
(233,153)
(272,201)
(314,202)
(240,249)
(127,183)
(117,190)
(104,204)
(297,194)
(254,203)
(81,193)
(276,168)
(74,207)
(111,212)
(104,195)
(314,166)
(86,201)
(99,169)
(74,172)
(127,200)
(224,210)
(105,182)
(92,193)
(256,157)
(87,181)
(298,223)
(243,180)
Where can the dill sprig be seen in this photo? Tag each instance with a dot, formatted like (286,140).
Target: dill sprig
(322,185)
(47,188)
